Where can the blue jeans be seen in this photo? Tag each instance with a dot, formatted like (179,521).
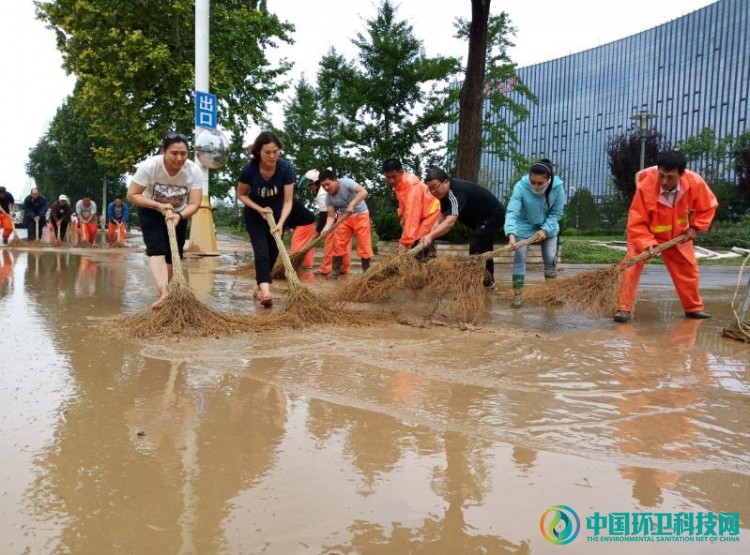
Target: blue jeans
(549,257)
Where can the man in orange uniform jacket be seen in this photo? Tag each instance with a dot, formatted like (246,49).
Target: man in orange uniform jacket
(418,210)
(669,200)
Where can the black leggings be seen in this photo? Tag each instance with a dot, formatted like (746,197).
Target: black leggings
(264,246)
(484,238)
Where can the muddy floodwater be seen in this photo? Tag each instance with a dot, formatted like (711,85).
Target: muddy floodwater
(391,439)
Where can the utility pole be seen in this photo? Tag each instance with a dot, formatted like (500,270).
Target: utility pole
(202,233)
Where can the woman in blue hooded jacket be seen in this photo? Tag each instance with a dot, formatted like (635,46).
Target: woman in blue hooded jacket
(534,210)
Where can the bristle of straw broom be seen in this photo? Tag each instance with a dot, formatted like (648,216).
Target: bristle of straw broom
(182,313)
(458,282)
(736,333)
(382,279)
(297,258)
(302,307)
(17,242)
(595,291)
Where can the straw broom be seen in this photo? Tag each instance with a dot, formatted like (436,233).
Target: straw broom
(383,278)
(738,330)
(301,307)
(460,280)
(16,240)
(594,291)
(58,242)
(279,271)
(119,242)
(84,235)
(182,313)
(35,244)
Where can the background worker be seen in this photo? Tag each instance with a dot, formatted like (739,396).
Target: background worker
(34,214)
(303,222)
(346,196)
(418,210)
(669,201)
(60,216)
(535,209)
(86,213)
(118,216)
(311,180)
(7,213)
(472,205)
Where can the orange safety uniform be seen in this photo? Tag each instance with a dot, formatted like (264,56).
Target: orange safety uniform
(417,208)
(357,225)
(326,265)
(6,224)
(88,230)
(112,230)
(652,221)
(302,234)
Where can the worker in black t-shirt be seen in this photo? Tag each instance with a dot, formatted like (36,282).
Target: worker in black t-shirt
(473,206)
(7,213)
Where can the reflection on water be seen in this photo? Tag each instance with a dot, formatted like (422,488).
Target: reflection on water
(376,440)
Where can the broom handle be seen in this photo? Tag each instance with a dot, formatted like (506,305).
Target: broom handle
(645,255)
(507,248)
(315,240)
(291,275)
(37,231)
(177,275)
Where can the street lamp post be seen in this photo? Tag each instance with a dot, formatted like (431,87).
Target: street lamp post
(643,117)
(202,234)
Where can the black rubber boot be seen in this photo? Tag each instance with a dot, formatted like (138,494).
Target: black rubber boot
(336,272)
(365,264)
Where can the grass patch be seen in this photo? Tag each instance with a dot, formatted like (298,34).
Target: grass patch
(233,231)
(722,261)
(581,251)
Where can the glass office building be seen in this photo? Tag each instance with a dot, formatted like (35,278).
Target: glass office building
(693,73)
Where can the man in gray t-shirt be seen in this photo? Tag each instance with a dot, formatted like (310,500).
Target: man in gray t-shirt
(86,213)
(347,196)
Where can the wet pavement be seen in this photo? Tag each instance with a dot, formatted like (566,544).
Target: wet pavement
(387,439)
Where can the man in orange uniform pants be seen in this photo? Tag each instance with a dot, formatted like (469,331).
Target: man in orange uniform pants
(345,196)
(418,210)
(669,200)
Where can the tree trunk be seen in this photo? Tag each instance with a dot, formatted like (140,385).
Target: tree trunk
(468,152)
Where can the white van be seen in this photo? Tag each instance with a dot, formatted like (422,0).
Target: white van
(18,218)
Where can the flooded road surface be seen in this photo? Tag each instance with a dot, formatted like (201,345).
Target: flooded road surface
(390,440)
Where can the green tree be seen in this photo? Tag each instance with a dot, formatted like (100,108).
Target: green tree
(623,154)
(719,160)
(504,100)
(743,168)
(709,155)
(316,133)
(582,212)
(135,65)
(400,94)
(63,160)
(391,101)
